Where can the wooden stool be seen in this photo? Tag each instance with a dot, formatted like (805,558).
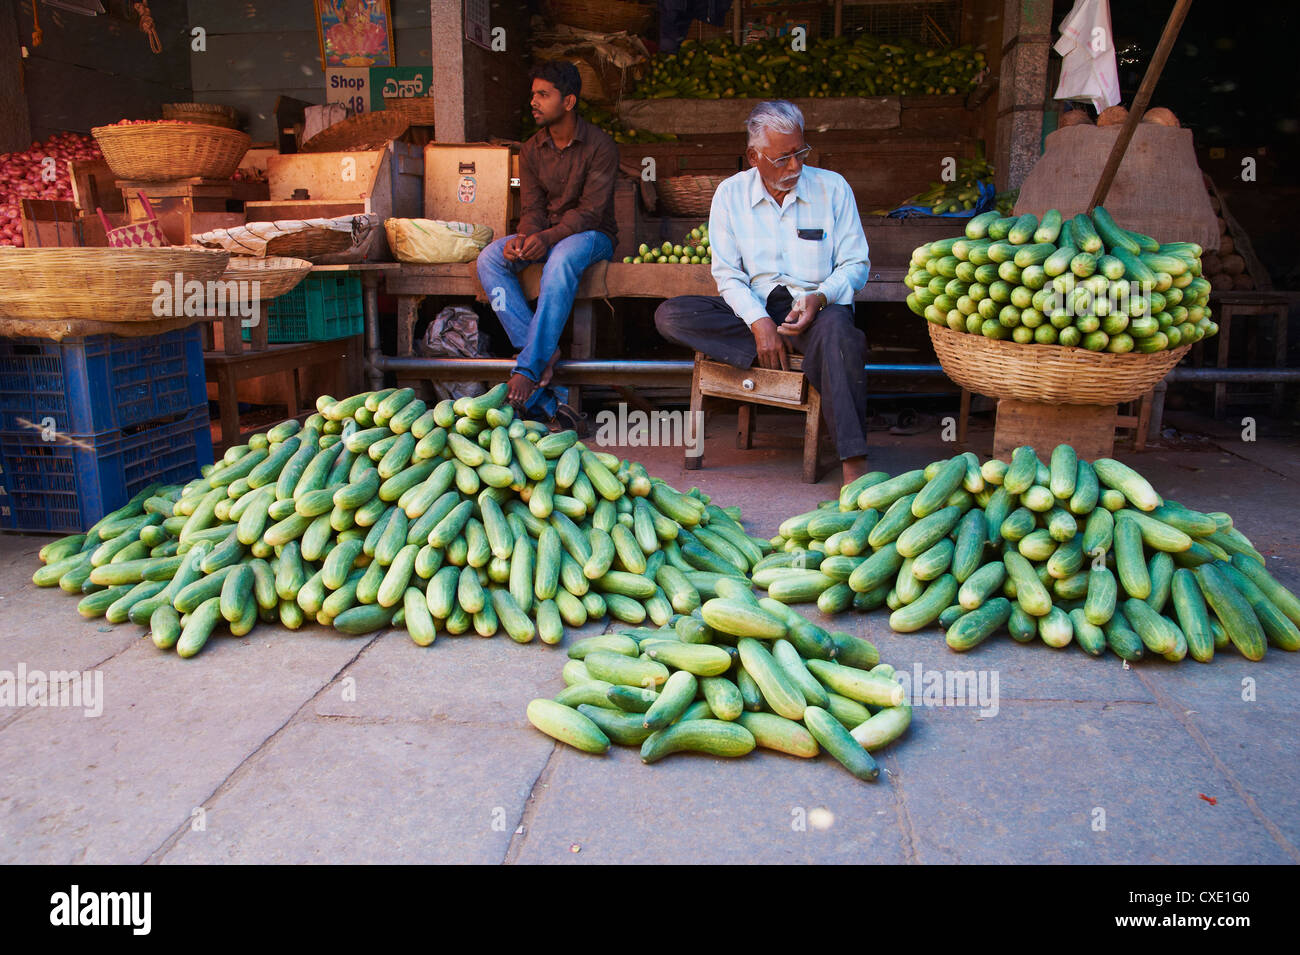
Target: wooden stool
(1265,305)
(758,386)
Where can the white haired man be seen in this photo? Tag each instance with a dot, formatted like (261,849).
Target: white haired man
(788,256)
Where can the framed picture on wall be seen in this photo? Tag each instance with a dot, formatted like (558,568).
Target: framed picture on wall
(355,33)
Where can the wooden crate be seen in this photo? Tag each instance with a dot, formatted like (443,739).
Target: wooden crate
(188,207)
(387,182)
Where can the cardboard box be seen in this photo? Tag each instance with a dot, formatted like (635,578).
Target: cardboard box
(470,182)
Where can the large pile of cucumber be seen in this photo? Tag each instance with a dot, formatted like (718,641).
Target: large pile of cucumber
(1084,282)
(380,511)
(735,674)
(1070,551)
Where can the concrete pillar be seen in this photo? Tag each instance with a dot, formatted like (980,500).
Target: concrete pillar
(448,26)
(479,93)
(1022,88)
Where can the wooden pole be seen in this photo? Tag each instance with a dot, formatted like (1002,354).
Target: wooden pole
(1154,68)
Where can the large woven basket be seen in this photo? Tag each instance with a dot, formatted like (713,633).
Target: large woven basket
(1048,374)
(97,284)
(417,110)
(58,329)
(603,16)
(209,114)
(165,152)
(363,131)
(275,274)
(688,195)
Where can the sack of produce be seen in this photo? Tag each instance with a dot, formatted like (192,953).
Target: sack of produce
(433,241)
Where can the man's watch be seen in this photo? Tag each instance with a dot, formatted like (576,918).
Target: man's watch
(825,300)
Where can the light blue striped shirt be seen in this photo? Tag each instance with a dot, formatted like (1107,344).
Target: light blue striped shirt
(756,244)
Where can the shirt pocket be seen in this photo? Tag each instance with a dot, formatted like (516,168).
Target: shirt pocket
(816,256)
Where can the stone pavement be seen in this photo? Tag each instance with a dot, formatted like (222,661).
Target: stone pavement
(315,747)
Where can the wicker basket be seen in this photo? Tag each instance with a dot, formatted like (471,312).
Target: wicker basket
(97,284)
(602,16)
(165,152)
(688,195)
(416,110)
(309,244)
(363,131)
(275,275)
(1048,374)
(209,114)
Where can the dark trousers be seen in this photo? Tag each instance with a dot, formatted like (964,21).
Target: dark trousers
(833,349)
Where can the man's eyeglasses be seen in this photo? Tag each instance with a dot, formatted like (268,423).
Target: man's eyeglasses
(799,155)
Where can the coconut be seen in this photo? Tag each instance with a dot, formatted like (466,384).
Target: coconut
(1161,116)
(1112,116)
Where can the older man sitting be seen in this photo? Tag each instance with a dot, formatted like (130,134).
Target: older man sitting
(788,255)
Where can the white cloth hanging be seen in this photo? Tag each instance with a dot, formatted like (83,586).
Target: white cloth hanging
(1087,45)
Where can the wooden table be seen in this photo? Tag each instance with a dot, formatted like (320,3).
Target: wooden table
(286,360)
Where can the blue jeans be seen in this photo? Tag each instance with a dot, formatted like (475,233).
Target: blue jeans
(536,334)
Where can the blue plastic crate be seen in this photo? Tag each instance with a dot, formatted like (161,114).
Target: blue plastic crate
(320,308)
(101,383)
(64,486)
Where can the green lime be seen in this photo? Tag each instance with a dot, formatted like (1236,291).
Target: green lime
(637,260)
(672,258)
(667,248)
(695,260)
(627,259)
(643,249)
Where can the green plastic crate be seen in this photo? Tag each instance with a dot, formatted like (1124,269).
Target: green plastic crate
(320,308)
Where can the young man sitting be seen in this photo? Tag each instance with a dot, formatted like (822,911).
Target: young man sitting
(566,182)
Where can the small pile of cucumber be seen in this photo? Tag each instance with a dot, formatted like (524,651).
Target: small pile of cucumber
(1069,551)
(1084,282)
(734,674)
(380,511)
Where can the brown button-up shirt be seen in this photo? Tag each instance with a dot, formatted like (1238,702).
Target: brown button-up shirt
(569,190)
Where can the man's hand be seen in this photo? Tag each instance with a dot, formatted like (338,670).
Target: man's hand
(511,249)
(534,248)
(801,314)
(771,349)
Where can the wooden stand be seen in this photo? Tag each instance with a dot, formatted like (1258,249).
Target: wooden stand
(1089,429)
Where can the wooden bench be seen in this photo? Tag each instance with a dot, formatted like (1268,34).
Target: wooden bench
(411,284)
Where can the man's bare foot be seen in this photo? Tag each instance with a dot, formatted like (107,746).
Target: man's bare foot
(549,371)
(853,468)
(519,390)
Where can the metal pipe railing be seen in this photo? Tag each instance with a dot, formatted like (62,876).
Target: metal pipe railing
(596,371)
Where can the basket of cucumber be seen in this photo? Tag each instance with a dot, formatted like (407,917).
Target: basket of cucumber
(1052,374)
(1068,311)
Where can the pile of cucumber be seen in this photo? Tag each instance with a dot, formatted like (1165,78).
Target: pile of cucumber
(734,674)
(380,511)
(1084,282)
(1067,551)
